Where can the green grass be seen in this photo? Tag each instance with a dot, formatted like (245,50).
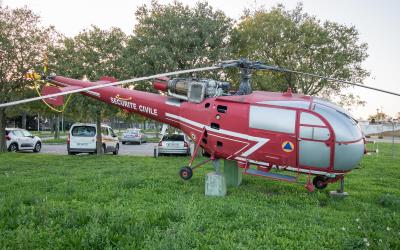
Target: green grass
(57,141)
(102,202)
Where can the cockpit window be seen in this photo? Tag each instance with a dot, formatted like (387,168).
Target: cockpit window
(309,119)
(343,125)
(291,104)
(335,107)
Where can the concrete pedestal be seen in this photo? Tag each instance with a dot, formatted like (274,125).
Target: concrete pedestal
(215,184)
(336,194)
(340,193)
(233,174)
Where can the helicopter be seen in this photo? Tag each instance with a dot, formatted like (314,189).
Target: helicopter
(258,130)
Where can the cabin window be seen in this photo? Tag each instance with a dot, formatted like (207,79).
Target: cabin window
(104,131)
(314,133)
(309,119)
(273,119)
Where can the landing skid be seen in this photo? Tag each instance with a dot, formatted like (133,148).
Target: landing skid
(319,181)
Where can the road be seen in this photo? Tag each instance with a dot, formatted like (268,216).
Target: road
(146,149)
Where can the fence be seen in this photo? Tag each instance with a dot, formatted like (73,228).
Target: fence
(383,136)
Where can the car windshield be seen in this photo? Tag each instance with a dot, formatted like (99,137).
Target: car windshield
(132,132)
(84,131)
(173,138)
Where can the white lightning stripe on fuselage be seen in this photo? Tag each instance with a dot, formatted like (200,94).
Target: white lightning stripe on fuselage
(260,141)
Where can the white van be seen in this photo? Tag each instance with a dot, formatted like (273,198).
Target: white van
(82,139)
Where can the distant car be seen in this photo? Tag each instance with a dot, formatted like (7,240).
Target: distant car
(133,135)
(174,144)
(19,139)
(82,139)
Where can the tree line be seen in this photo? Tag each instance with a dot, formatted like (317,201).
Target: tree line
(172,37)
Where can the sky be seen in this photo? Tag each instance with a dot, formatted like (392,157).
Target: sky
(376,21)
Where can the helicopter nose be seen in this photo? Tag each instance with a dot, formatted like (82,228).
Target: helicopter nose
(349,145)
(349,139)
(348,154)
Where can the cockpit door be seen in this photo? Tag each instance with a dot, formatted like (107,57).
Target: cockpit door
(314,142)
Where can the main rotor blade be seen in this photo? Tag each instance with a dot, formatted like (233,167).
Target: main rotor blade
(273,68)
(108,85)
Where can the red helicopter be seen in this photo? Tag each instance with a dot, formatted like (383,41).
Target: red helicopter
(259,130)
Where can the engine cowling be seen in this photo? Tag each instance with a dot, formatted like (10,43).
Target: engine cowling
(191,90)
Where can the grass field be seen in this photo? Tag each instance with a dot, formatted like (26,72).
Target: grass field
(49,201)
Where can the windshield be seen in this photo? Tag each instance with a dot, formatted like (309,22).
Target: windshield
(343,125)
(173,138)
(339,109)
(135,132)
(83,131)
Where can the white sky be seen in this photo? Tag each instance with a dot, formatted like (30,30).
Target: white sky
(377,22)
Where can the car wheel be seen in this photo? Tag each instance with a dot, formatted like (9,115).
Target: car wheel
(123,143)
(71,153)
(116,149)
(13,147)
(37,148)
(140,142)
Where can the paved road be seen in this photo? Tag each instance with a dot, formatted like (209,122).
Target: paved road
(146,149)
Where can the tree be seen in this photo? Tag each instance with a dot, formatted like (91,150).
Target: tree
(91,54)
(23,43)
(378,117)
(174,36)
(298,41)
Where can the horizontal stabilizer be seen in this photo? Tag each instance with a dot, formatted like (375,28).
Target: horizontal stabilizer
(58,100)
(108,79)
(55,101)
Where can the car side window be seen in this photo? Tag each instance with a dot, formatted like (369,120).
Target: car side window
(104,131)
(17,133)
(26,133)
(112,132)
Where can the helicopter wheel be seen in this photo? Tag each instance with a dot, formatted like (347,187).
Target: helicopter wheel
(320,182)
(186,173)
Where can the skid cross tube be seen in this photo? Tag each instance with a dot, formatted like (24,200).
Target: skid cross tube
(200,164)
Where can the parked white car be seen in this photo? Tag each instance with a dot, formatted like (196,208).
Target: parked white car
(133,135)
(82,139)
(174,144)
(20,139)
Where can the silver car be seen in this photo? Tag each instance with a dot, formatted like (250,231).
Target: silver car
(19,139)
(132,135)
(174,144)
